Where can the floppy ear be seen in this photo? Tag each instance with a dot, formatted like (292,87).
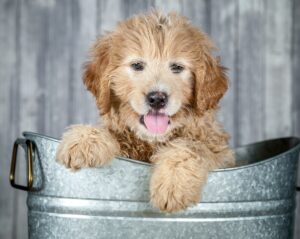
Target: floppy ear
(210,84)
(96,76)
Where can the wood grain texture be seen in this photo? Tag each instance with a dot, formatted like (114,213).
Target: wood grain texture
(295,89)
(295,68)
(57,67)
(250,70)
(168,5)
(82,107)
(9,109)
(224,32)
(44,45)
(107,21)
(198,12)
(278,72)
(132,7)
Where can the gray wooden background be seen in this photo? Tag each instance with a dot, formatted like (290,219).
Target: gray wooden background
(43,44)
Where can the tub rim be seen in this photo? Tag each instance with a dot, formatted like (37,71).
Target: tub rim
(255,164)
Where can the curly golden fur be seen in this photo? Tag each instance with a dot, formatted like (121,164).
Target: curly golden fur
(155,53)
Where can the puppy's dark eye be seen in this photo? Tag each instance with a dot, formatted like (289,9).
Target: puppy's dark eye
(138,66)
(175,68)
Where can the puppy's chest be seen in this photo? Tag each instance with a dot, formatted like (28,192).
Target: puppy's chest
(135,148)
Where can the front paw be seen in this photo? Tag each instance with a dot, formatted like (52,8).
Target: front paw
(176,181)
(86,146)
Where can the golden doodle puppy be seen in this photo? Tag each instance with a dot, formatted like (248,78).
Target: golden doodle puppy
(157,86)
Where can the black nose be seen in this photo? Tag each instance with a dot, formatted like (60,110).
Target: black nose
(157,99)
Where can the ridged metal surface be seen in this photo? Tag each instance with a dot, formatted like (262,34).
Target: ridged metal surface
(254,200)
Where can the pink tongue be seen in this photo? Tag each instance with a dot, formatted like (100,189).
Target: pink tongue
(156,123)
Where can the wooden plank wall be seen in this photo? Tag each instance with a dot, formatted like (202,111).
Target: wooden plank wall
(44,43)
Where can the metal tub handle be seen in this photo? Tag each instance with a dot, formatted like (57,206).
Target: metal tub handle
(28,146)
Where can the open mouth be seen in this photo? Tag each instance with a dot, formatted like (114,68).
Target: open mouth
(155,122)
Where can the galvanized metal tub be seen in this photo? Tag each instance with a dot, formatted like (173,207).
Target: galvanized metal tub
(253,200)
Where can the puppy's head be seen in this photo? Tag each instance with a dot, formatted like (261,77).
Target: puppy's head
(152,71)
